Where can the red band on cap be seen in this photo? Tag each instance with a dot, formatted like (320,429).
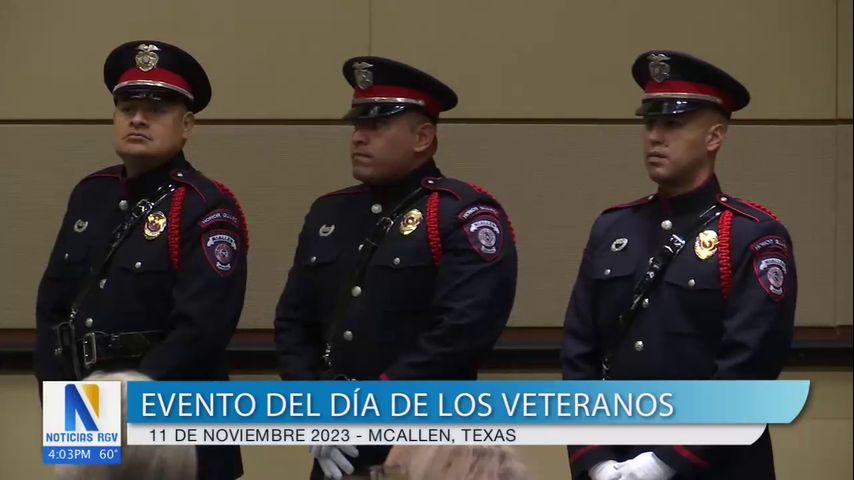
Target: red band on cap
(170,78)
(679,86)
(389,91)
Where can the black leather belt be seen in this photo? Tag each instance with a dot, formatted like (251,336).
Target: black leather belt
(103,347)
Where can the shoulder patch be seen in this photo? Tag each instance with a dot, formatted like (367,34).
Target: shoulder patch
(220,215)
(640,201)
(771,242)
(476,210)
(770,270)
(221,249)
(485,236)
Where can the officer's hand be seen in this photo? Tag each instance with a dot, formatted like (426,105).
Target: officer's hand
(332,460)
(646,466)
(607,470)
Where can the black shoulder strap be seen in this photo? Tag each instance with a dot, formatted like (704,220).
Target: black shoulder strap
(657,266)
(366,252)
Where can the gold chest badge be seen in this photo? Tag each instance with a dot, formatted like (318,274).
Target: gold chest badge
(706,244)
(410,221)
(155,223)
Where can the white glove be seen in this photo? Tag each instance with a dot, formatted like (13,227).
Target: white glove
(332,460)
(646,466)
(607,470)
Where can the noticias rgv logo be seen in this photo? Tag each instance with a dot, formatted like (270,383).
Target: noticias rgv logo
(85,407)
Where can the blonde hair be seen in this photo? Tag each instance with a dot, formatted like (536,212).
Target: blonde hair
(459,462)
(139,462)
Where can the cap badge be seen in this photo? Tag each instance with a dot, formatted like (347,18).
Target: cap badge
(410,221)
(706,244)
(364,77)
(146,57)
(658,70)
(154,225)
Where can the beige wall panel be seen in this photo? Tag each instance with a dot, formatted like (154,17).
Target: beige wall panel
(819,441)
(844,54)
(265,59)
(844,231)
(559,59)
(552,179)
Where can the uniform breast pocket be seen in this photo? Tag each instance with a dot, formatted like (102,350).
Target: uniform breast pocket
(614,277)
(694,288)
(404,277)
(144,281)
(69,260)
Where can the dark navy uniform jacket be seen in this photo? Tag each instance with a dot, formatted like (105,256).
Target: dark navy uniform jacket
(431,303)
(724,310)
(187,281)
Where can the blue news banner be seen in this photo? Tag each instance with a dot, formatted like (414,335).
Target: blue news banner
(460,412)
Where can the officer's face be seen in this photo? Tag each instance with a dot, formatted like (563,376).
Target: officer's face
(680,149)
(150,130)
(385,150)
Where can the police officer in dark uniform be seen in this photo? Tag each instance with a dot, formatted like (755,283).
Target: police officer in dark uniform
(686,283)
(409,275)
(149,268)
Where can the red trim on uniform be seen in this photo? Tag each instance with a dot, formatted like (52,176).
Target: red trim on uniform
(681,86)
(174,228)
(157,75)
(434,237)
(761,208)
(724,259)
(384,377)
(244,228)
(482,190)
(691,456)
(581,452)
(391,91)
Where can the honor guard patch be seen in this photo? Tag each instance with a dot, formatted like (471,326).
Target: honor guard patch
(155,223)
(221,215)
(221,247)
(478,210)
(770,243)
(485,236)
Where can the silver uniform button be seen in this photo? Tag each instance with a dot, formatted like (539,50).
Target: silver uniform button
(639,346)
(57,351)
(137,265)
(356,291)
(313,260)
(348,335)
(102,283)
(645,303)
(607,272)
(724,199)
(180,174)
(89,322)
(666,225)
(65,256)
(361,245)
(376,208)
(123,205)
(691,283)
(396,261)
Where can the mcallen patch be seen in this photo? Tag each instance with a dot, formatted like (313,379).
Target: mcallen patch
(221,248)
(485,236)
(771,272)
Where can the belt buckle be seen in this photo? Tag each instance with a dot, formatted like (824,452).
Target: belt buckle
(90,350)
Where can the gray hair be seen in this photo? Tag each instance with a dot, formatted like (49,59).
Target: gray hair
(139,462)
